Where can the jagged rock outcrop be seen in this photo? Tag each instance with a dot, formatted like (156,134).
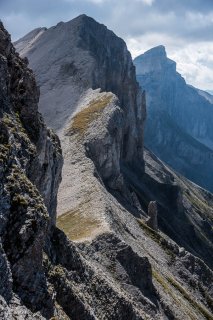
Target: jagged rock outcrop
(88,58)
(110,264)
(74,56)
(179,123)
(152,221)
(30,173)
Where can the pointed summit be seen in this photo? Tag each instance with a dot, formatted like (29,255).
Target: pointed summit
(179,122)
(82,18)
(152,60)
(158,51)
(74,56)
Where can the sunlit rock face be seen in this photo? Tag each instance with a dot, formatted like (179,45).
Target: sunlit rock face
(72,62)
(72,57)
(112,262)
(179,121)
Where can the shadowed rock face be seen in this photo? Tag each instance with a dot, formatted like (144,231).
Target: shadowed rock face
(90,56)
(82,54)
(30,173)
(118,267)
(152,221)
(19,112)
(179,123)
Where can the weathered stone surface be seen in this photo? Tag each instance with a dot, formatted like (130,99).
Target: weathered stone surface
(88,58)
(30,173)
(117,267)
(152,221)
(84,288)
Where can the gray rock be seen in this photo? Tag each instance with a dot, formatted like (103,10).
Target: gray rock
(88,58)
(30,171)
(152,221)
(116,268)
(179,122)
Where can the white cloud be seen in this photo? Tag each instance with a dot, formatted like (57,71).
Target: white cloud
(91,1)
(184,29)
(96,1)
(194,61)
(197,19)
(140,44)
(147,2)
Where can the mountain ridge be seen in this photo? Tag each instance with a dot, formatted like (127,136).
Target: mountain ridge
(111,262)
(182,115)
(104,160)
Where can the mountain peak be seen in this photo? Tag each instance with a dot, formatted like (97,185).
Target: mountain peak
(83,19)
(154,59)
(159,51)
(155,52)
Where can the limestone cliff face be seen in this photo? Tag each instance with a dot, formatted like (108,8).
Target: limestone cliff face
(30,173)
(74,56)
(113,71)
(111,264)
(90,57)
(107,223)
(179,124)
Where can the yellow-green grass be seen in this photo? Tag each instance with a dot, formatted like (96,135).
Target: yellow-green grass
(154,235)
(190,298)
(200,204)
(76,225)
(81,121)
(167,283)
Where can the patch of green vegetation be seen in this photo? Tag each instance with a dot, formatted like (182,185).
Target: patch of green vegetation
(199,203)
(168,289)
(82,119)
(7,121)
(188,297)
(76,225)
(163,243)
(57,270)
(20,200)
(161,281)
(206,296)
(23,192)
(4,151)
(56,273)
(12,124)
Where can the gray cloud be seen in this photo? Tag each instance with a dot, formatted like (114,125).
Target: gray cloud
(191,19)
(143,23)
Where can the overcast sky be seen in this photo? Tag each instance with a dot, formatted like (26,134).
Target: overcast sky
(185,27)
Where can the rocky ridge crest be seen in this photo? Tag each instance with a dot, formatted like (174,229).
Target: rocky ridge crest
(110,264)
(30,173)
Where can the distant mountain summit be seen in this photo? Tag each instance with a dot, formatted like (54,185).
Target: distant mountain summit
(179,118)
(155,60)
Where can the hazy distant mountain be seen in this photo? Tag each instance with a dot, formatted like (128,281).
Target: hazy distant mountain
(207,95)
(179,118)
(209,91)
